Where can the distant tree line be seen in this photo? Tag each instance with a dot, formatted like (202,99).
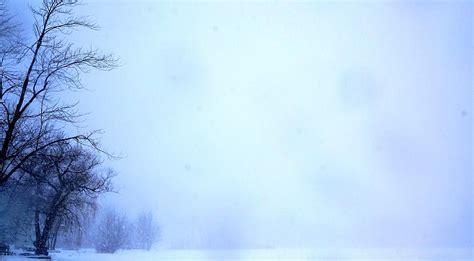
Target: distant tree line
(115,231)
(51,171)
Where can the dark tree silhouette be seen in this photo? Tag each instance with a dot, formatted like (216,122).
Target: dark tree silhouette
(30,75)
(66,179)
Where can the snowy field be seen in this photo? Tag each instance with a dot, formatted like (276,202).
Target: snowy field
(266,254)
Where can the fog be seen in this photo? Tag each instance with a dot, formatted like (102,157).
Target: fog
(276,124)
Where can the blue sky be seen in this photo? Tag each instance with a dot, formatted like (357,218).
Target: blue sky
(301,124)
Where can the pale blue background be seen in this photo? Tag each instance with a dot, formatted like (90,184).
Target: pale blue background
(308,124)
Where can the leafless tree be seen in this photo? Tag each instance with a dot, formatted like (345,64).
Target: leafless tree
(147,231)
(112,232)
(31,76)
(67,179)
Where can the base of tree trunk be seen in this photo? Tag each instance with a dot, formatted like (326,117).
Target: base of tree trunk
(41,252)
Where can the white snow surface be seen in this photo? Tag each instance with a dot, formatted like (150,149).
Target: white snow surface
(453,254)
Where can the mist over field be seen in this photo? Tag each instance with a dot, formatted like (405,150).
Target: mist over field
(282,125)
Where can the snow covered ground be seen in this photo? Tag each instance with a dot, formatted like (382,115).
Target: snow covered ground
(266,254)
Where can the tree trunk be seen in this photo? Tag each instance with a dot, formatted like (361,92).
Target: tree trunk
(37,229)
(41,247)
(52,246)
(42,241)
(42,238)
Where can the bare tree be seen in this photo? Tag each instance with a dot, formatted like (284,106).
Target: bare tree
(147,231)
(30,76)
(112,232)
(67,179)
